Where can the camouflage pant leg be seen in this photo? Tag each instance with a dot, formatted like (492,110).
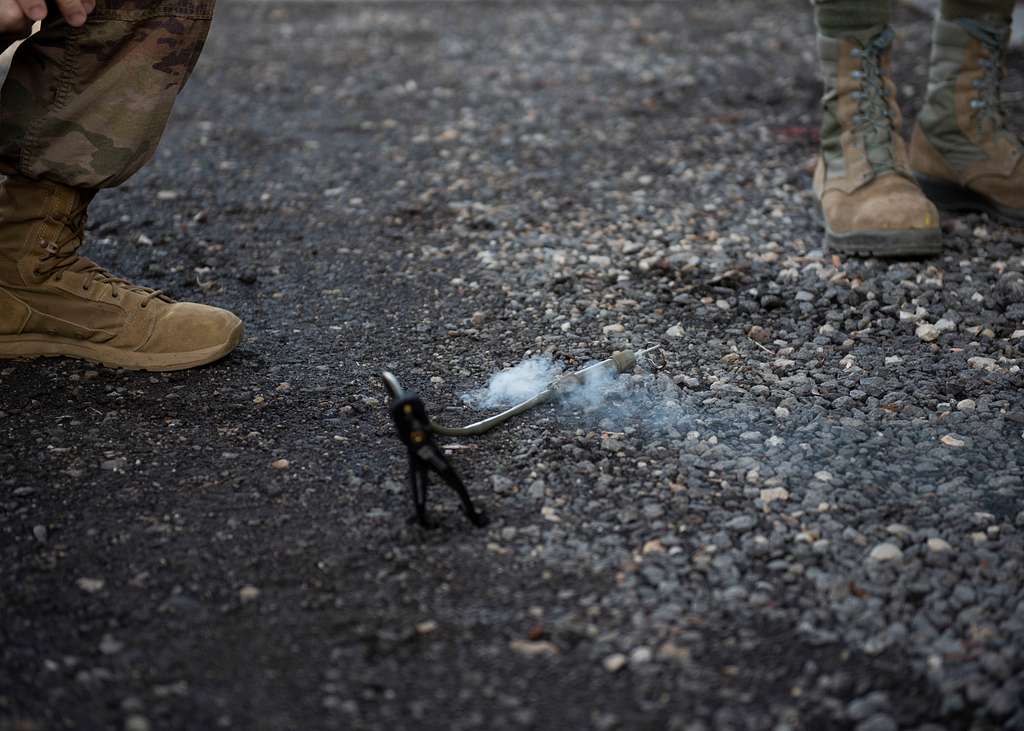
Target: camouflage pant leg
(86,106)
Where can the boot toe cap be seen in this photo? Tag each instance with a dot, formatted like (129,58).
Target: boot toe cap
(188,327)
(889,203)
(900,210)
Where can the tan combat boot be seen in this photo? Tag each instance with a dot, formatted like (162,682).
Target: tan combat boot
(869,200)
(963,154)
(54,302)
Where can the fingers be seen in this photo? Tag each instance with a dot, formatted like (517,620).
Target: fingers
(15,15)
(33,9)
(13,21)
(74,11)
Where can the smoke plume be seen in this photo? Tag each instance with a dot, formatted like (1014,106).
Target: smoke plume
(610,401)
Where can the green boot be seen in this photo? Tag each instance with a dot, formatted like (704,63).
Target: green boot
(869,201)
(962,153)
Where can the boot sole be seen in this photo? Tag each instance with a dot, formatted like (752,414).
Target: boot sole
(883,243)
(955,198)
(46,346)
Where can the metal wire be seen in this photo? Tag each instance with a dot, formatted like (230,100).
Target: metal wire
(620,362)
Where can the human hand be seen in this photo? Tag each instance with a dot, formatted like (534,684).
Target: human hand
(13,22)
(17,16)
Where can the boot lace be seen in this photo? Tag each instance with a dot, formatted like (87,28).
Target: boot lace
(873,119)
(61,255)
(988,105)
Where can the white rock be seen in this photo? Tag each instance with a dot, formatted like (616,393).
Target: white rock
(967,404)
(614,663)
(952,440)
(676,331)
(641,655)
(772,494)
(531,648)
(248,593)
(1017,334)
(91,586)
(549,513)
(937,545)
(885,552)
(944,325)
(927,332)
(914,316)
(614,328)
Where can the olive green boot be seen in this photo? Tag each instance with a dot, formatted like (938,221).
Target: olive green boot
(963,154)
(55,302)
(869,200)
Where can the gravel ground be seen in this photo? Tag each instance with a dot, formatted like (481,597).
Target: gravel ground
(812,518)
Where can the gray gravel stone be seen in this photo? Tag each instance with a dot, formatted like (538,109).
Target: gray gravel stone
(878,722)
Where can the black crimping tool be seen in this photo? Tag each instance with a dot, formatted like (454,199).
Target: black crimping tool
(414,429)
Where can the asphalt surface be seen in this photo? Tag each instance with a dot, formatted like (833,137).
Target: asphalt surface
(813,517)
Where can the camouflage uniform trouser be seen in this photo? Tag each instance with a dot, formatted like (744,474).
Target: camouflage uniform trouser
(86,106)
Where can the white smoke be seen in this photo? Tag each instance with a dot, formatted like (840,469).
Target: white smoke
(604,398)
(516,384)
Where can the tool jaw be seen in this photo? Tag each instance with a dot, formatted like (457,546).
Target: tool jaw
(415,431)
